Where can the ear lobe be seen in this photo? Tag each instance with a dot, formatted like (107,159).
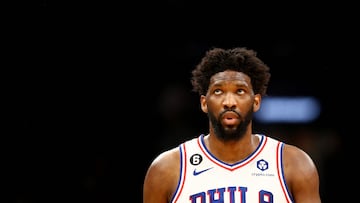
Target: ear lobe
(203,104)
(257,102)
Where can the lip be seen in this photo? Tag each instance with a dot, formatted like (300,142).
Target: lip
(230,115)
(230,118)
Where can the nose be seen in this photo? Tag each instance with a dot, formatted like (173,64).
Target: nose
(229,101)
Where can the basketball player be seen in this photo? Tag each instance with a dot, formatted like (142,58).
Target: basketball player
(231,164)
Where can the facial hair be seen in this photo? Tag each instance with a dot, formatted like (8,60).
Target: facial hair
(234,133)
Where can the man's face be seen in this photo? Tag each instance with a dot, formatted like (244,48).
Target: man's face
(230,103)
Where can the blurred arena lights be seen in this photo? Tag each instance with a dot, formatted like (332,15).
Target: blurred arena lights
(299,109)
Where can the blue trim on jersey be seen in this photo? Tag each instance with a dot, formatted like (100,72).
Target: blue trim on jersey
(281,167)
(236,165)
(182,173)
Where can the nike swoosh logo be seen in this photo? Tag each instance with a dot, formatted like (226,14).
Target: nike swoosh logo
(195,173)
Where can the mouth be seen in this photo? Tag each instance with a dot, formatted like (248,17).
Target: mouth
(230,118)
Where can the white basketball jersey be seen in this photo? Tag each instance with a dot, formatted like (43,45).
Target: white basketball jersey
(257,179)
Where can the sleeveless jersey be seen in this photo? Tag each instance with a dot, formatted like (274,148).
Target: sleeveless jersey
(257,179)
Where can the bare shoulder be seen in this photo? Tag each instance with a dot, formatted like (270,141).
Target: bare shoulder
(298,159)
(301,174)
(161,177)
(165,161)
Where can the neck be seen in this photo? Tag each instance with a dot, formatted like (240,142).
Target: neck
(234,150)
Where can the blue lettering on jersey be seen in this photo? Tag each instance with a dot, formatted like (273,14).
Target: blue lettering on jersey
(265,196)
(235,196)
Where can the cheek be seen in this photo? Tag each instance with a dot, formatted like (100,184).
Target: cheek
(210,107)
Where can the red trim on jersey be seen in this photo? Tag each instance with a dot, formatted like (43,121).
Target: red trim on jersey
(182,173)
(281,176)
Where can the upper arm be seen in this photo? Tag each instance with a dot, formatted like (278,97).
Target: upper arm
(301,175)
(161,177)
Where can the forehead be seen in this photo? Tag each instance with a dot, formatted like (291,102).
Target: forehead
(230,76)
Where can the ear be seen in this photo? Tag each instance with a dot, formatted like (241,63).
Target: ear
(257,102)
(203,103)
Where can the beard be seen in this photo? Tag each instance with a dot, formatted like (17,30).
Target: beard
(231,133)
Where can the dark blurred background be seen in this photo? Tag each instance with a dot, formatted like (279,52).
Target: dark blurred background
(98,88)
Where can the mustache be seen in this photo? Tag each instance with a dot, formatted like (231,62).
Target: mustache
(230,110)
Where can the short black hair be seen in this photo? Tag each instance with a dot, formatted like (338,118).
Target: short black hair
(239,59)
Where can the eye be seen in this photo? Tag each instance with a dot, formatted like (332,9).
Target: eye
(217,91)
(240,91)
